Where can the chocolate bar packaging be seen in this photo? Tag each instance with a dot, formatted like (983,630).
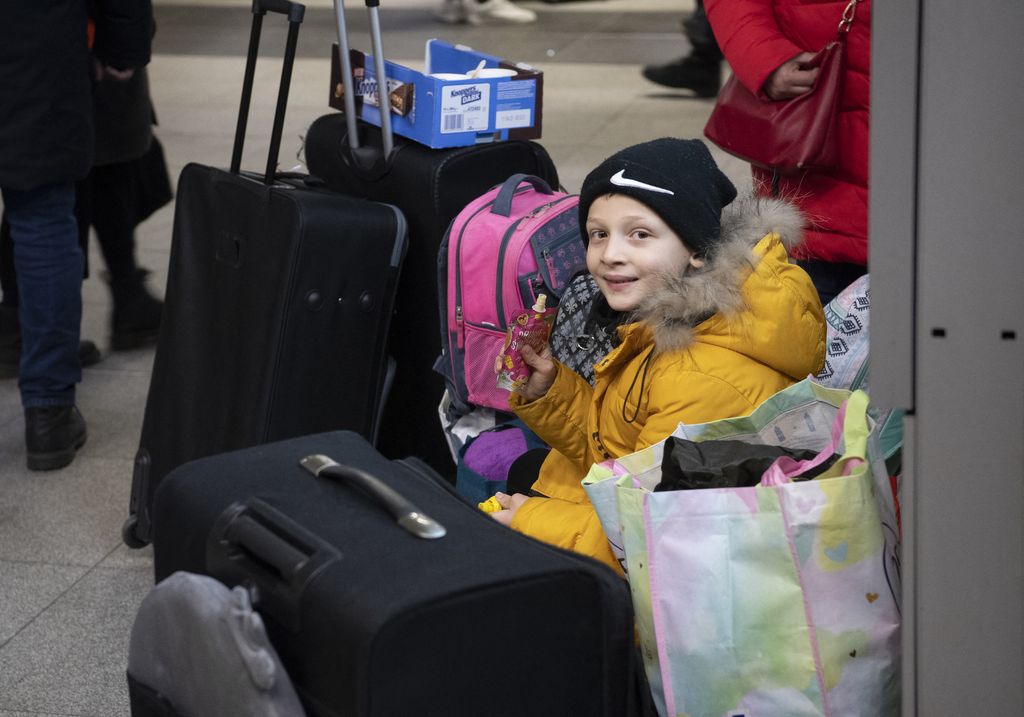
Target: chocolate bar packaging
(463,97)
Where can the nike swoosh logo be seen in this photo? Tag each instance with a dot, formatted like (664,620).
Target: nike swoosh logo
(620,181)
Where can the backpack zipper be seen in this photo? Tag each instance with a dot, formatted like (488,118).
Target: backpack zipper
(460,329)
(499,288)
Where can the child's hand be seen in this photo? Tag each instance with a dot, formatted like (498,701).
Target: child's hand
(509,505)
(542,373)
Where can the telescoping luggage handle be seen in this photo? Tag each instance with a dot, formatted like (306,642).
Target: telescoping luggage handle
(366,158)
(295,13)
(406,514)
(254,544)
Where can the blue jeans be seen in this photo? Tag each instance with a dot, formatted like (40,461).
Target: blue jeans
(49,262)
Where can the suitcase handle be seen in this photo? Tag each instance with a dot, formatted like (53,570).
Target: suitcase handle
(253,544)
(295,12)
(407,515)
(367,157)
(503,202)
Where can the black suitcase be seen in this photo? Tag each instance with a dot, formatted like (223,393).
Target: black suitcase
(279,297)
(377,611)
(430,186)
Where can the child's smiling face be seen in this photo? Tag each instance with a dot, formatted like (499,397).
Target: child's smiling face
(630,248)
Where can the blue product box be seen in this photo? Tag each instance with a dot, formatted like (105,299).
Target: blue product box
(452,110)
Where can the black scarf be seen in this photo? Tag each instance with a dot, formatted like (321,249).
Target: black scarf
(604,320)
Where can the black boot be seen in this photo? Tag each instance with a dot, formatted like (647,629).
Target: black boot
(703,77)
(52,435)
(135,320)
(10,345)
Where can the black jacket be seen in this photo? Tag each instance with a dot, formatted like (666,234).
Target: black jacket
(46,125)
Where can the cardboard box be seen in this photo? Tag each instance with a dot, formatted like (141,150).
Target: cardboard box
(446,111)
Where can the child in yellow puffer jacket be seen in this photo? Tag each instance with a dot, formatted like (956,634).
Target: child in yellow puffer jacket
(710,319)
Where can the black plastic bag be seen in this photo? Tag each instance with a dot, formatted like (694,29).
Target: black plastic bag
(724,463)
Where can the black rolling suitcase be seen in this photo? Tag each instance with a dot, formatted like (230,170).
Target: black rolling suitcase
(279,297)
(401,599)
(430,186)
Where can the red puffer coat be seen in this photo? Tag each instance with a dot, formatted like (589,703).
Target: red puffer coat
(757,36)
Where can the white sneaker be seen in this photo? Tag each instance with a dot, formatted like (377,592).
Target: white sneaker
(497,12)
(452,12)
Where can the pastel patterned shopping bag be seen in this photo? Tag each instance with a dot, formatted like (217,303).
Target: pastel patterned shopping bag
(781,599)
(799,416)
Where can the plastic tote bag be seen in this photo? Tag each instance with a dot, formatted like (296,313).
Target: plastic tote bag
(800,416)
(781,599)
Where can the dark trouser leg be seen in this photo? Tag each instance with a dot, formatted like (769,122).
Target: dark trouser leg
(830,278)
(48,262)
(525,470)
(135,318)
(8,279)
(698,31)
(113,216)
(10,328)
(10,325)
(700,70)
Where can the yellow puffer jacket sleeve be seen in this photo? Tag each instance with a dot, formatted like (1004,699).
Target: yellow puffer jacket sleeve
(559,417)
(573,526)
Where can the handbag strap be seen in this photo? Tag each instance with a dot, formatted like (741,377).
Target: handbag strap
(848,14)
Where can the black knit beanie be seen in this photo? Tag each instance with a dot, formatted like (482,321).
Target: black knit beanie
(676,178)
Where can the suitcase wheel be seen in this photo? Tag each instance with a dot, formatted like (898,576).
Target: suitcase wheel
(129,535)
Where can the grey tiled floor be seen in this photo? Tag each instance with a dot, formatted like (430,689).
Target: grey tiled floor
(68,587)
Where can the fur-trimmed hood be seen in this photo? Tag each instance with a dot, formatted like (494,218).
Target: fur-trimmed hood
(747,297)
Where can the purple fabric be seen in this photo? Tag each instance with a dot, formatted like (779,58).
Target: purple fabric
(493,452)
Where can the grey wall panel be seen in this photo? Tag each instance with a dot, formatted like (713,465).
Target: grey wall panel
(967,470)
(971,210)
(893,210)
(968,492)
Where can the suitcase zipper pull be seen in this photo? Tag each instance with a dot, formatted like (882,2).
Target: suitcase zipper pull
(407,515)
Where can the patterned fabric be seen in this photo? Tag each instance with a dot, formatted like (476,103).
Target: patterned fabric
(570,342)
(846,340)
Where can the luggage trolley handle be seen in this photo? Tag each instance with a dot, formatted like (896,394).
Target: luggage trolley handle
(295,13)
(407,515)
(366,157)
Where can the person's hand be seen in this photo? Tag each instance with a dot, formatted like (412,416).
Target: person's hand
(509,505)
(792,78)
(542,372)
(113,73)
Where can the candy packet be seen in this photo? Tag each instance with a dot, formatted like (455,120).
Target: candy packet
(532,327)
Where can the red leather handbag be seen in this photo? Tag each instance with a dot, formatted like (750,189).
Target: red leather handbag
(786,136)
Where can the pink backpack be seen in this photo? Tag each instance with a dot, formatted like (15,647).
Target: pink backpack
(504,248)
